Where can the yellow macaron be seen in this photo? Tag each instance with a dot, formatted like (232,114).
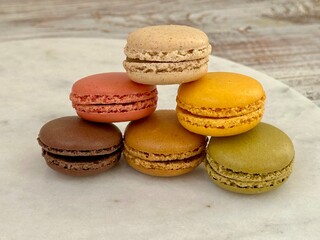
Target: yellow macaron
(220,104)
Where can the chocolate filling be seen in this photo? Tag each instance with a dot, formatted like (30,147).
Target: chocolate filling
(81,159)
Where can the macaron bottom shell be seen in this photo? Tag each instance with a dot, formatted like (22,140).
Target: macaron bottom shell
(116,117)
(180,75)
(88,167)
(164,168)
(247,186)
(217,127)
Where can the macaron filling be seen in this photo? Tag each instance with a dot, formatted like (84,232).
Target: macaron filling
(79,159)
(167,56)
(136,65)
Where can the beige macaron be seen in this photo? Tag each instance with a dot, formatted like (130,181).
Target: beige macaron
(166,54)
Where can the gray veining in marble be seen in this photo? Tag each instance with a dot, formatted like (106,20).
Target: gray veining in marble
(38,203)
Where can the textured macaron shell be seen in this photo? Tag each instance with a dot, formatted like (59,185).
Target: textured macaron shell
(257,161)
(166,54)
(163,168)
(221,90)
(147,73)
(159,146)
(72,134)
(162,128)
(163,39)
(76,147)
(263,149)
(82,167)
(220,126)
(112,97)
(262,183)
(220,104)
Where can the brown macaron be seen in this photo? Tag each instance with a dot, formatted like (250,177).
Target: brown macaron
(77,147)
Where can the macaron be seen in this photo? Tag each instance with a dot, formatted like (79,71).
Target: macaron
(220,104)
(159,146)
(257,161)
(112,97)
(166,54)
(76,147)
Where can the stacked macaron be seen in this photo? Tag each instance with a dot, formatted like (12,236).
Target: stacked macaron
(166,54)
(92,144)
(243,155)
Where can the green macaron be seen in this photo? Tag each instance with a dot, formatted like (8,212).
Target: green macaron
(257,161)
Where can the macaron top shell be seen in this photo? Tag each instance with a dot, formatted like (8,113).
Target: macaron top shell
(117,85)
(221,90)
(161,133)
(263,149)
(167,38)
(73,133)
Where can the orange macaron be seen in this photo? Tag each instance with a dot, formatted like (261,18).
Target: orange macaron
(220,104)
(159,146)
(112,97)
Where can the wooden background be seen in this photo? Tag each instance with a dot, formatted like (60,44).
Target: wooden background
(280,37)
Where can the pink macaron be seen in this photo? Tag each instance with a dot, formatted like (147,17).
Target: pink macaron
(112,97)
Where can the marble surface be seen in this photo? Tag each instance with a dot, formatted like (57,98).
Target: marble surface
(38,203)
